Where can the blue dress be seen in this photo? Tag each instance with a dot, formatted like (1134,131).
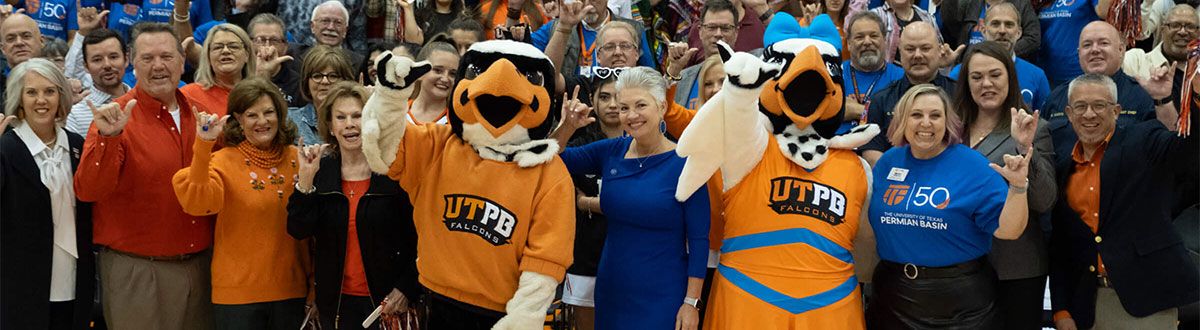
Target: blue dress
(645,263)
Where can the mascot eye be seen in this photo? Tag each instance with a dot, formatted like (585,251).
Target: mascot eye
(472,72)
(535,78)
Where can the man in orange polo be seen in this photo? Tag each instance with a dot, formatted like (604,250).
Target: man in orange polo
(154,267)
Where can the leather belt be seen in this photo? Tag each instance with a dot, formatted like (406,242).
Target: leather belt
(912,271)
(181,257)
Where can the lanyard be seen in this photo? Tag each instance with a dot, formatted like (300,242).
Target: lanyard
(866,104)
(586,51)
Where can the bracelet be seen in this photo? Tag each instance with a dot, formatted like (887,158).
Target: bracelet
(1019,190)
(513,14)
(1163,101)
(305,191)
(766,15)
(183,18)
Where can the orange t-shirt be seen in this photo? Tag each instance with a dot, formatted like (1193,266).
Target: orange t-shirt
(354,277)
(213,100)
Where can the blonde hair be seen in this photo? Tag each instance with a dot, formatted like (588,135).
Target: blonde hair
(709,63)
(16,85)
(954,125)
(204,72)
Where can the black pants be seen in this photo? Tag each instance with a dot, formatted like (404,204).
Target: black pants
(353,311)
(1019,302)
(956,297)
(447,314)
(62,315)
(276,315)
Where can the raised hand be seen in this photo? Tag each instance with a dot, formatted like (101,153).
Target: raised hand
(575,113)
(77,91)
(7,10)
(1158,85)
(1015,170)
(110,119)
(5,120)
(678,56)
(948,56)
(89,19)
(1023,128)
(399,72)
(267,63)
(209,126)
(310,162)
(812,10)
(572,13)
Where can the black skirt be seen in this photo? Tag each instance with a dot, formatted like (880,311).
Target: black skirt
(961,296)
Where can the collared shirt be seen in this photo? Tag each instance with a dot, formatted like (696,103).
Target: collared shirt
(1136,107)
(54,166)
(128,176)
(305,119)
(1083,195)
(1139,63)
(80,117)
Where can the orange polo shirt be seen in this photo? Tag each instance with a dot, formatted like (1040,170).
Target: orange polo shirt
(1083,195)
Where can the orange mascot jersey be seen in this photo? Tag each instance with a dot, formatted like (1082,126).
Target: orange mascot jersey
(786,261)
(482,222)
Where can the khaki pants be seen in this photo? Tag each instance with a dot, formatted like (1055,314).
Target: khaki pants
(1111,315)
(138,293)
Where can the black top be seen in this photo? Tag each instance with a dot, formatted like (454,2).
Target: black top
(387,238)
(590,228)
(883,105)
(27,241)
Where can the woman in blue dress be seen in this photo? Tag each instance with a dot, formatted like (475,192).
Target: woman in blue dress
(647,279)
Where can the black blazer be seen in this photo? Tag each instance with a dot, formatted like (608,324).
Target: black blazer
(1142,252)
(387,238)
(27,241)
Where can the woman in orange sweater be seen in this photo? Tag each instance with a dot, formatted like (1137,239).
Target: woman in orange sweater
(259,272)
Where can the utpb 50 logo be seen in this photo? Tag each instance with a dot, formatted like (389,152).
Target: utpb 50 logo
(937,197)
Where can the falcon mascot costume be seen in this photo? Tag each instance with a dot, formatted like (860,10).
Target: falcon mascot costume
(493,204)
(795,195)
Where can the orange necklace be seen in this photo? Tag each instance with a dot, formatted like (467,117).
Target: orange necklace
(265,159)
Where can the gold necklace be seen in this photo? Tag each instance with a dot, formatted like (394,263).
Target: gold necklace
(642,159)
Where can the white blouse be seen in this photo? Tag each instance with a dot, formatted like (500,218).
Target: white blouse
(54,165)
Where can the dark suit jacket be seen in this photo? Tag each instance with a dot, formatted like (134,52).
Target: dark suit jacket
(27,241)
(1142,252)
(1026,256)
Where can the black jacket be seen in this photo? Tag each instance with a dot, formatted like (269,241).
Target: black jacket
(27,241)
(1142,252)
(882,107)
(386,236)
(959,17)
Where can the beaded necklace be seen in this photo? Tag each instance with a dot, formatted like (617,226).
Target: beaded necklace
(264,159)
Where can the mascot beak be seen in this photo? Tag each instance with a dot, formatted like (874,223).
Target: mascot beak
(501,98)
(805,93)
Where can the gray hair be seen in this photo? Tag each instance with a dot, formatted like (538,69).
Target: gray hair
(16,86)
(204,70)
(1093,78)
(646,79)
(867,15)
(265,19)
(637,38)
(334,3)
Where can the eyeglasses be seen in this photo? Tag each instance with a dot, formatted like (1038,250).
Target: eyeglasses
(1175,26)
(330,77)
(624,46)
(1080,108)
(268,40)
(327,21)
(714,27)
(232,46)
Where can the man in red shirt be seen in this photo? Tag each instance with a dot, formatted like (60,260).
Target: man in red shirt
(154,266)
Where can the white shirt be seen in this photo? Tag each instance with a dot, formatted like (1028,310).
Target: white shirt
(54,165)
(1139,64)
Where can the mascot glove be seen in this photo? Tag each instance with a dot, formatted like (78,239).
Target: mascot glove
(384,114)
(527,308)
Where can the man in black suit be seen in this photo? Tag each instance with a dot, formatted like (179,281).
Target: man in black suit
(1116,261)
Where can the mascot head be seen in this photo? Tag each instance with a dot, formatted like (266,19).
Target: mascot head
(502,100)
(808,90)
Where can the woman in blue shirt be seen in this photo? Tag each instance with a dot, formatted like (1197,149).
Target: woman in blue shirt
(935,207)
(647,279)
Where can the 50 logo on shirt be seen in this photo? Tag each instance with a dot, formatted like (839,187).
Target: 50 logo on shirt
(791,195)
(48,9)
(480,216)
(937,197)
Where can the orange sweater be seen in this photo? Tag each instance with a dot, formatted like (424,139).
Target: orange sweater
(214,100)
(483,222)
(254,258)
(677,119)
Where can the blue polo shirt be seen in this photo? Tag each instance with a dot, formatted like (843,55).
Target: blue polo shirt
(1035,89)
(1061,23)
(541,37)
(935,212)
(861,85)
(54,17)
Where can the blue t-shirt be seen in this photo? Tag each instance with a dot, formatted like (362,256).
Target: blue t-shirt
(122,17)
(935,212)
(976,36)
(1061,23)
(541,38)
(54,17)
(861,85)
(1035,88)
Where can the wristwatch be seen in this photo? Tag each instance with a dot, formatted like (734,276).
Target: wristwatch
(1162,101)
(694,302)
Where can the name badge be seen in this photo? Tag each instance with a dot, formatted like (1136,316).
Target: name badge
(898,174)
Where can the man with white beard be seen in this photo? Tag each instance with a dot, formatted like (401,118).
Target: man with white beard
(867,71)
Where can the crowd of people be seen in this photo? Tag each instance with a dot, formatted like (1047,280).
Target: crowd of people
(649,164)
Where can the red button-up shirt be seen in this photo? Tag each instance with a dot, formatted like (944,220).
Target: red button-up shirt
(128,176)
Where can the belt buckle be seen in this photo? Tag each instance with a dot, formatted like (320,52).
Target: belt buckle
(915,271)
